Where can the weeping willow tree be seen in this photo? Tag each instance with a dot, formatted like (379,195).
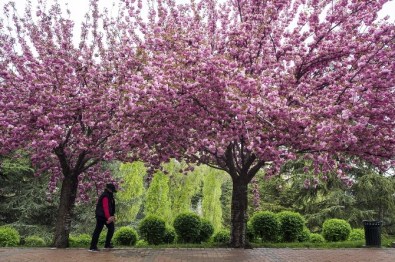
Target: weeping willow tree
(183,187)
(211,200)
(130,198)
(157,201)
(170,192)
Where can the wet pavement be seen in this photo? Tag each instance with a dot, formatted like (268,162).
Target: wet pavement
(196,254)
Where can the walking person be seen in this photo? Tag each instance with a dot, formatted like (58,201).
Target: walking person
(105,216)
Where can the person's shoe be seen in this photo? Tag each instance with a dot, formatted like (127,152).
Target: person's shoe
(110,246)
(94,250)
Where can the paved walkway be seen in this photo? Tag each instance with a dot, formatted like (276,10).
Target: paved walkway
(195,254)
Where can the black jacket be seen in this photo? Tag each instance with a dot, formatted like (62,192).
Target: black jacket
(111,204)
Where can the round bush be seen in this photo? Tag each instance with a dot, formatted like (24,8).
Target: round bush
(187,226)
(336,230)
(250,234)
(34,241)
(265,225)
(356,234)
(102,237)
(125,236)
(316,238)
(9,237)
(305,235)
(206,230)
(152,229)
(170,235)
(222,237)
(82,240)
(291,225)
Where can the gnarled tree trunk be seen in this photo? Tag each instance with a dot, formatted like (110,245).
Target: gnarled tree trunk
(239,213)
(242,166)
(63,221)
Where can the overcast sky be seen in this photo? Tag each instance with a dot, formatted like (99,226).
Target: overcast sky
(78,9)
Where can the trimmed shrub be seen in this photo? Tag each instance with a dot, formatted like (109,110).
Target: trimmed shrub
(206,230)
(336,230)
(305,235)
(82,240)
(356,234)
(169,236)
(187,226)
(250,234)
(102,237)
(265,225)
(125,236)
(291,225)
(141,243)
(34,241)
(316,238)
(9,237)
(152,229)
(222,237)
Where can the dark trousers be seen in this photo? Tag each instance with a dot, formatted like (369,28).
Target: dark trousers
(100,223)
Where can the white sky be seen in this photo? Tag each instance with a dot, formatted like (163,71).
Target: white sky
(79,8)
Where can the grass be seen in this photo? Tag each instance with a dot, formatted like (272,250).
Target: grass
(386,242)
(342,244)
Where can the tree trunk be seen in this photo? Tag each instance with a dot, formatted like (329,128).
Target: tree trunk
(63,220)
(239,213)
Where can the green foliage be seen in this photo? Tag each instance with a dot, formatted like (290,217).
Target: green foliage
(328,199)
(34,241)
(152,229)
(356,234)
(23,199)
(9,237)
(211,203)
(187,227)
(316,238)
(265,225)
(222,237)
(376,192)
(336,230)
(183,187)
(125,236)
(81,240)
(157,200)
(291,225)
(305,235)
(130,198)
(102,237)
(226,200)
(250,234)
(169,236)
(206,230)
(141,243)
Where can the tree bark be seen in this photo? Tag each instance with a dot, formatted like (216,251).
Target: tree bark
(67,200)
(239,213)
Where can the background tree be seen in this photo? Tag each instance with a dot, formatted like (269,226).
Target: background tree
(63,102)
(157,202)
(24,203)
(376,193)
(211,196)
(130,198)
(246,85)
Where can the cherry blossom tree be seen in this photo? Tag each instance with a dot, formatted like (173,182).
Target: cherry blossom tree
(247,85)
(238,85)
(62,102)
